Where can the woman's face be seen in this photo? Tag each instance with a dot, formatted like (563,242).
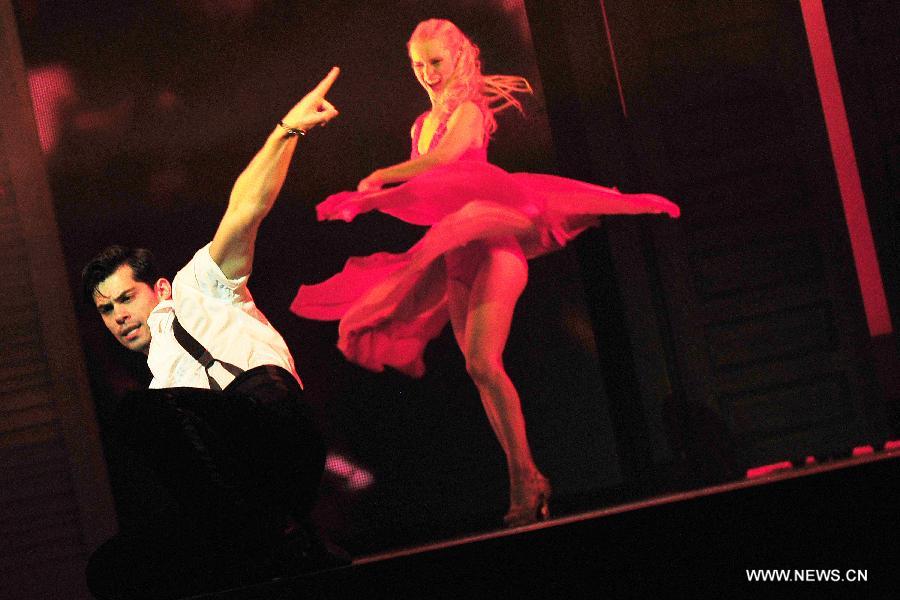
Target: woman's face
(433,64)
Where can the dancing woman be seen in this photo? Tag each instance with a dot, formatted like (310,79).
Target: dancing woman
(471,266)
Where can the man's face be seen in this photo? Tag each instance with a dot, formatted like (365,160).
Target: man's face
(124,305)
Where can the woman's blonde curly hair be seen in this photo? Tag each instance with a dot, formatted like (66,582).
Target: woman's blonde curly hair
(492,93)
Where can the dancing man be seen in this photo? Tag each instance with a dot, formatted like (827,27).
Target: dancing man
(223,429)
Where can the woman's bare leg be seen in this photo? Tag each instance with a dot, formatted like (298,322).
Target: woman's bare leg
(481,318)
(458,304)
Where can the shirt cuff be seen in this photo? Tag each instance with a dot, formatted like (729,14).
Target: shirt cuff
(206,267)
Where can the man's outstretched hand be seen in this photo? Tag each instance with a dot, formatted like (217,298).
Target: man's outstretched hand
(313,109)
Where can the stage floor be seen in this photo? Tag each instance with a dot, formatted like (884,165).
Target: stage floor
(779,474)
(812,525)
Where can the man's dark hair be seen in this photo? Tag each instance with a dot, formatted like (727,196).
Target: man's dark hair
(109,260)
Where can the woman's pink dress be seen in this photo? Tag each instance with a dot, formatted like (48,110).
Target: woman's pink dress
(391,305)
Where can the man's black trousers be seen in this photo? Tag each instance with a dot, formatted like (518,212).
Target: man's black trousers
(238,470)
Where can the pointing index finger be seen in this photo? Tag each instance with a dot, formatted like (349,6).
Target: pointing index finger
(326,83)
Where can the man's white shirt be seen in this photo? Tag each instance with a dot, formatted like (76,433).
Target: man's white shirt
(220,314)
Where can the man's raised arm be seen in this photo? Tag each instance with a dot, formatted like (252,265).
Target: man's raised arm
(256,189)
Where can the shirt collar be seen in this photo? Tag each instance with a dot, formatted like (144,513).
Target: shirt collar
(159,312)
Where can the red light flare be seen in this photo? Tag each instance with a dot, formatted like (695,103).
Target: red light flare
(768,469)
(844,157)
(50,88)
(355,478)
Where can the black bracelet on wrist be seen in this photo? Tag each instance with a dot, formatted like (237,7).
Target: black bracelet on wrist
(291,130)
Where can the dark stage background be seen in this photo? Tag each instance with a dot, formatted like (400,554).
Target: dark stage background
(651,355)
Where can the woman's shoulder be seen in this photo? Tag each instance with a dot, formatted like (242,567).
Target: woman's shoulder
(466,109)
(468,113)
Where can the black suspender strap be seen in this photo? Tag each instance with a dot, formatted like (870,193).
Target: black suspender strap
(201,354)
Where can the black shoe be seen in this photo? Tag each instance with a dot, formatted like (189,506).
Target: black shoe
(302,550)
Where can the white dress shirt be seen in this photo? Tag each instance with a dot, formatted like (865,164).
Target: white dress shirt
(221,315)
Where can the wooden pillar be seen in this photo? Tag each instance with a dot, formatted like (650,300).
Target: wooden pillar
(54,490)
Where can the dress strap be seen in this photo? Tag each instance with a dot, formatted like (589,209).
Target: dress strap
(438,134)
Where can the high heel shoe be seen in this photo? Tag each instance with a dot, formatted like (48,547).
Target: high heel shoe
(535,508)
